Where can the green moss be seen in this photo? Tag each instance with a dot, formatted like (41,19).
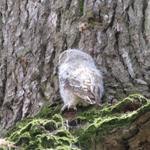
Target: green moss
(47,130)
(58,118)
(23,139)
(48,111)
(47,141)
(114,117)
(36,130)
(50,125)
(67,148)
(41,133)
(81,4)
(133,102)
(18,126)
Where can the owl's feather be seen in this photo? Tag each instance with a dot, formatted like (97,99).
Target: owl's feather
(82,83)
(79,76)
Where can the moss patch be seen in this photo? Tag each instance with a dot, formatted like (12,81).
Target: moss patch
(48,129)
(81,4)
(40,133)
(108,118)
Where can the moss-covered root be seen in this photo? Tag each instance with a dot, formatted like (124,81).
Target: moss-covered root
(131,103)
(48,131)
(121,115)
(43,134)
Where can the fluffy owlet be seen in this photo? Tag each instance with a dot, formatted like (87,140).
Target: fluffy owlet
(79,79)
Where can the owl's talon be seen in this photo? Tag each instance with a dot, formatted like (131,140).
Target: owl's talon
(75,108)
(63,108)
(72,108)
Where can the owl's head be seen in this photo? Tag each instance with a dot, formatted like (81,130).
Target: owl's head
(71,55)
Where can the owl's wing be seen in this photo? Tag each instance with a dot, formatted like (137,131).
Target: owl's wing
(86,85)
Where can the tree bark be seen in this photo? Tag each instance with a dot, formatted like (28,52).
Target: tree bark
(33,33)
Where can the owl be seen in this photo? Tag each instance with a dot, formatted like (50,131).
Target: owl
(79,79)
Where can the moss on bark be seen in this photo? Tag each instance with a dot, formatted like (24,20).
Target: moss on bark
(49,130)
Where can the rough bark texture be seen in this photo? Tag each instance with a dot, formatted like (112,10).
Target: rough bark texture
(33,33)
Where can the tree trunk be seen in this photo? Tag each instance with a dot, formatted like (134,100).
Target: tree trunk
(33,33)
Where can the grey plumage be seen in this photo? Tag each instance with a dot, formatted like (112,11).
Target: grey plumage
(79,79)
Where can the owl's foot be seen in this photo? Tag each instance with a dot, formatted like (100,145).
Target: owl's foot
(63,108)
(67,108)
(74,108)
(100,104)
